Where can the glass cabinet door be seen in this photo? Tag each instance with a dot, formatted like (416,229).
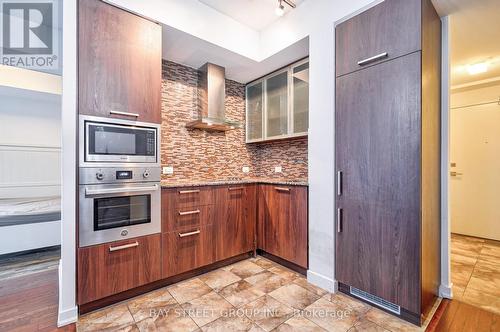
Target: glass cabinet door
(300,90)
(255,105)
(277,105)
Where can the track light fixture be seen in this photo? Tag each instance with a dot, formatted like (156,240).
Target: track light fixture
(280,10)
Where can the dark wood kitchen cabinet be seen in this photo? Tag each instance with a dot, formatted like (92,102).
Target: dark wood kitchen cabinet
(387,141)
(283,225)
(188,237)
(111,268)
(384,32)
(235,221)
(119,63)
(188,249)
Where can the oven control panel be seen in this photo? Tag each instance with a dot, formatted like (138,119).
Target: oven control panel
(119,175)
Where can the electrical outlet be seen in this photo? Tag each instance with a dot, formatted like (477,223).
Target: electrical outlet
(277,169)
(168,170)
(246,169)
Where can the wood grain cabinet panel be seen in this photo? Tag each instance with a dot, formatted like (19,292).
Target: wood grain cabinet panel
(173,220)
(235,223)
(119,58)
(391,27)
(188,249)
(387,142)
(180,199)
(284,225)
(105,270)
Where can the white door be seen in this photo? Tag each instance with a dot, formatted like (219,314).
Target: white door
(475,190)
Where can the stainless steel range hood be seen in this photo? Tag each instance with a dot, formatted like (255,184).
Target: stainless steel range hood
(211,100)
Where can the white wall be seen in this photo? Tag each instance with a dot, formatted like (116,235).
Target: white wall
(30,127)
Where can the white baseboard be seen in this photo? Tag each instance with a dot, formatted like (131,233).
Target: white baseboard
(321,281)
(67,316)
(446,291)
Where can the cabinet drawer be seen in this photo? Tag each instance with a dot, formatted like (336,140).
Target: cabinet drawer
(111,268)
(174,220)
(185,198)
(187,249)
(386,31)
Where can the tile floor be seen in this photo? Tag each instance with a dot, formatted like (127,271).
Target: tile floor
(252,295)
(475,271)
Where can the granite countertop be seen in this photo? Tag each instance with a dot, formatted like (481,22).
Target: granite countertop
(201,183)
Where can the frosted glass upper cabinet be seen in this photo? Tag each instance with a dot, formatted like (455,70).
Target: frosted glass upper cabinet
(276,93)
(255,115)
(300,93)
(277,105)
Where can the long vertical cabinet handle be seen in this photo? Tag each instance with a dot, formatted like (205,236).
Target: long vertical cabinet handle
(339,220)
(339,183)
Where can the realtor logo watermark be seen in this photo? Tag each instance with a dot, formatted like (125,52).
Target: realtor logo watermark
(29,39)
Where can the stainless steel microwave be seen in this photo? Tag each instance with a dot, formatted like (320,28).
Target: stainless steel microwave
(109,142)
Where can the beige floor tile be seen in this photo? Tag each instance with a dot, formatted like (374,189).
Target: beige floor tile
(189,290)
(267,312)
(236,324)
(469,248)
(207,308)
(244,269)
(108,319)
(359,307)
(174,319)
(299,324)
(491,253)
(486,278)
(331,316)
(465,260)
(294,296)
(285,273)
(267,281)
(364,325)
(263,262)
(458,292)
(219,279)
(144,306)
(240,293)
(389,321)
(461,274)
(482,300)
(302,282)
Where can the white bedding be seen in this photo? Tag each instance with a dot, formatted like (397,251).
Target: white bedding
(29,206)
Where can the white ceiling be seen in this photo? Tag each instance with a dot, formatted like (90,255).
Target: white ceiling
(194,52)
(256,14)
(475,37)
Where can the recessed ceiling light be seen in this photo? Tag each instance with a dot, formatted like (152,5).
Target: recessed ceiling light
(477,68)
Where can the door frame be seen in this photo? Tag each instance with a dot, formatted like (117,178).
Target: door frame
(445,287)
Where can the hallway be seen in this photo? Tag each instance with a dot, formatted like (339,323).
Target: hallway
(475,271)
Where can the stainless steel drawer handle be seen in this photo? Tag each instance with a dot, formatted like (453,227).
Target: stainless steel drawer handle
(135,115)
(189,233)
(125,246)
(119,190)
(236,188)
(281,189)
(339,220)
(182,192)
(339,183)
(187,213)
(373,58)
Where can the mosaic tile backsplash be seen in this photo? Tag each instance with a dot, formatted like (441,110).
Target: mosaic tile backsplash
(198,155)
